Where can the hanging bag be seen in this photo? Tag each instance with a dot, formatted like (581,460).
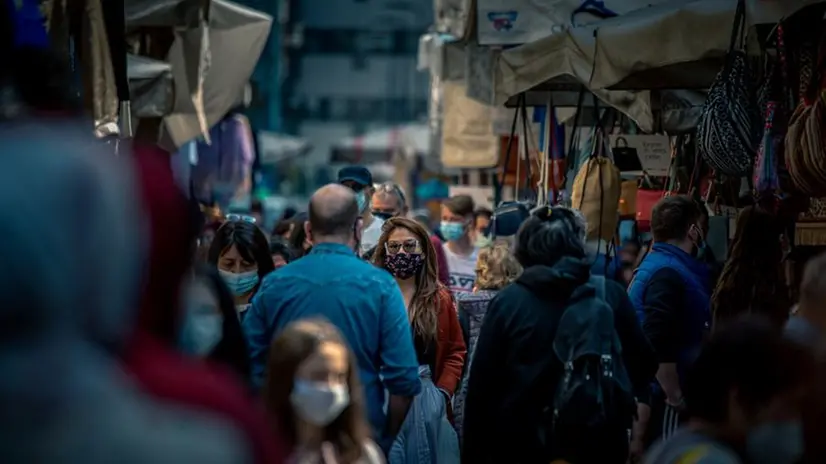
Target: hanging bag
(729,127)
(805,144)
(596,190)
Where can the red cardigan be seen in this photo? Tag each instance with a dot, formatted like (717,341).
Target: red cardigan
(450,345)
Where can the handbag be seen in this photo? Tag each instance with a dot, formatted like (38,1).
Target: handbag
(625,157)
(729,127)
(804,142)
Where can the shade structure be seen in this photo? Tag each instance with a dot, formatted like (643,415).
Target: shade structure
(150,84)
(691,37)
(274,148)
(211,65)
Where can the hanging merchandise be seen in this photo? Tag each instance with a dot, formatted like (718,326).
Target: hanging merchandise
(729,128)
(224,168)
(649,194)
(596,190)
(625,157)
(805,138)
(628,198)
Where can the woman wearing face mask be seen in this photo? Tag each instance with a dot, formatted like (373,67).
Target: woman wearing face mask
(404,250)
(460,249)
(313,395)
(241,253)
(743,394)
(211,329)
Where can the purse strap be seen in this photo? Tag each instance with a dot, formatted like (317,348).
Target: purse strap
(738,29)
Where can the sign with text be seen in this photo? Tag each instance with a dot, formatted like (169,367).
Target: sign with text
(654,152)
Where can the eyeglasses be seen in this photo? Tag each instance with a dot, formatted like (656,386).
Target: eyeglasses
(240,217)
(409,246)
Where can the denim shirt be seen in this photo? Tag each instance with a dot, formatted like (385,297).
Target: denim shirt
(361,300)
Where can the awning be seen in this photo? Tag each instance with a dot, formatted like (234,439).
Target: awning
(691,37)
(150,85)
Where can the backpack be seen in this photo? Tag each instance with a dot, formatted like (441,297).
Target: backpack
(593,397)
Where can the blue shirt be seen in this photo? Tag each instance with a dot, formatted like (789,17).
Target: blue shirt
(363,301)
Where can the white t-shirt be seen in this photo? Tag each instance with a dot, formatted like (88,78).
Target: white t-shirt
(370,235)
(462,270)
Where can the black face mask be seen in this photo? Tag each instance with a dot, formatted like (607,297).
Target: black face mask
(382,215)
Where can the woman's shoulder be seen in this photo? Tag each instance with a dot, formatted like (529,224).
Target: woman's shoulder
(371,453)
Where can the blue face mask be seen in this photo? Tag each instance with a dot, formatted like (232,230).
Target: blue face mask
(361,199)
(452,231)
(240,284)
(776,443)
(201,333)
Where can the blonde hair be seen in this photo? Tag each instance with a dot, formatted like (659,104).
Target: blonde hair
(496,266)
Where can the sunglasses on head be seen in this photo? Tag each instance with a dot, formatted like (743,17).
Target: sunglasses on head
(240,217)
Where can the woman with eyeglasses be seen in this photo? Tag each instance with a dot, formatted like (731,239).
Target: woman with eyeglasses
(404,249)
(241,253)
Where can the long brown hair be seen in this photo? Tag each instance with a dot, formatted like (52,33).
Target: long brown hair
(751,279)
(349,431)
(423,311)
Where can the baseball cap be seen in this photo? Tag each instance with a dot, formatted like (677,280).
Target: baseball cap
(356,174)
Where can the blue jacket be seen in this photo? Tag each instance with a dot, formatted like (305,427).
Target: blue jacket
(363,301)
(697,304)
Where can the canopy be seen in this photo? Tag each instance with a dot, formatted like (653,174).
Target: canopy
(273,148)
(692,36)
(211,66)
(150,86)
(380,145)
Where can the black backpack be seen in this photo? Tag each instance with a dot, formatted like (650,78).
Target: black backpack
(593,397)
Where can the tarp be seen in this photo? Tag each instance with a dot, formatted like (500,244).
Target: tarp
(691,37)
(150,84)
(211,66)
(454,17)
(516,22)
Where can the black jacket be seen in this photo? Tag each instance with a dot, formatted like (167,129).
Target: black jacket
(514,372)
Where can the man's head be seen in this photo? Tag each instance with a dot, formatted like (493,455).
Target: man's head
(334,216)
(388,201)
(481,220)
(549,235)
(676,220)
(747,384)
(360,181)
(457,217)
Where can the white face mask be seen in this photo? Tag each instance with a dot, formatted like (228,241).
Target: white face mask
(319,403)
(201,333)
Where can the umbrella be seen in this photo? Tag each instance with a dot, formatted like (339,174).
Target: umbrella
(211,65)
(273,148)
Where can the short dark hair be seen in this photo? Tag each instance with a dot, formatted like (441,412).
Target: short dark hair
(330,221)
(751,356)
(248,239)
(549,235)
(279,247)
(672,217)
(462,205)
(482,212)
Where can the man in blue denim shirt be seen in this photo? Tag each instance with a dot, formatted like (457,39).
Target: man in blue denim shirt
(363,301)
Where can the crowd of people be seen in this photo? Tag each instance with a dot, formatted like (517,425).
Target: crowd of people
(361,332)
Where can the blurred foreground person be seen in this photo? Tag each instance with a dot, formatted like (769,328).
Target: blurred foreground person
(64,398)
(314,397)
(752,278)
(523,405)
(363,302)
(152,359)
(405,251)
(743,395)
(495,269)
(241,253)
(211,329)
(808,325)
